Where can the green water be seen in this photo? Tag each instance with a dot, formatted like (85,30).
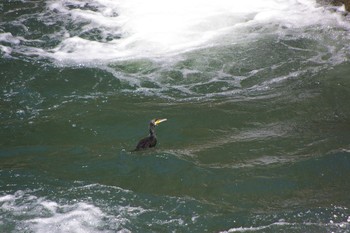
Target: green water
(257,137)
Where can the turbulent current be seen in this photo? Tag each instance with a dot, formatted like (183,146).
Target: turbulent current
(256,94)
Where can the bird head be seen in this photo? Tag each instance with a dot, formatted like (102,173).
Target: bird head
(156,122)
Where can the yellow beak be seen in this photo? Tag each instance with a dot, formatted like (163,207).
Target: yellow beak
(159,121)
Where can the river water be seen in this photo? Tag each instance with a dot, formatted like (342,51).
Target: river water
(256,94)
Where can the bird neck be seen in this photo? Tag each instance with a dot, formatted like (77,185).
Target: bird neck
(152,132)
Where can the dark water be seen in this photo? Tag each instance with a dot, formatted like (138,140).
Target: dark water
(257,101)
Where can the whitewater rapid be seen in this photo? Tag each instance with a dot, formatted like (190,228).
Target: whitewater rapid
(106,30)
(183,49)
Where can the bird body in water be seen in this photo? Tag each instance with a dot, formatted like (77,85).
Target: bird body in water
(151,140)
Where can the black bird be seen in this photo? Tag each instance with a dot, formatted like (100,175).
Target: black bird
(151,140)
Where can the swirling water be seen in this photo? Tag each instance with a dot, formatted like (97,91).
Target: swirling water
(257,100)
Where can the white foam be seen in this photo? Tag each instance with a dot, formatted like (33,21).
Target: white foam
(6,198)
(104,33)
(258,228)
(8,37)
(271,226)
(160,28)
(80,217)
(43,215)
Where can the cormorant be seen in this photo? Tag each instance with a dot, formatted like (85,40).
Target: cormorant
(151,140)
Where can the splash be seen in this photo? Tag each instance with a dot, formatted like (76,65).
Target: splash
(184,49)
(100,30)
(28,212)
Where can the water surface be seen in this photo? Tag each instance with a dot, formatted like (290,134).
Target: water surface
(257,100)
